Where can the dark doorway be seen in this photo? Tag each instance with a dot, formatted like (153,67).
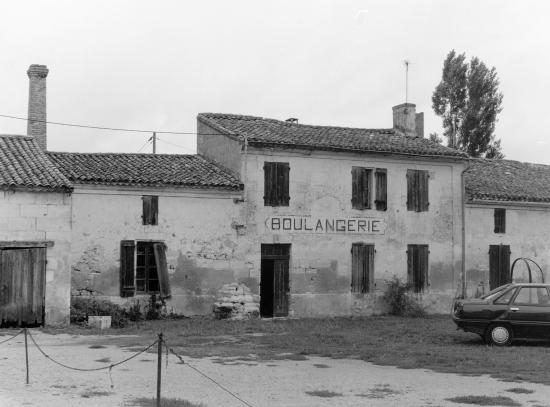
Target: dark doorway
(274,287)
(499,265)
(22,292)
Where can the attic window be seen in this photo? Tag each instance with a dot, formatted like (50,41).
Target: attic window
(150,209)
(500,220)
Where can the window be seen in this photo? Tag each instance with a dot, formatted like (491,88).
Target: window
(506,297)
(150,209)
(361,186)
(143,268)
(381,200)
(500,220)
(362,267)
(417,266)
(532,296)
(276,184)
(499,266)
(417,190)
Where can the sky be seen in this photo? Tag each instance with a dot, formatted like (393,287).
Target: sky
(155,65)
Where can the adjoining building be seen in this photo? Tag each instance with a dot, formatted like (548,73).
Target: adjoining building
(507,215)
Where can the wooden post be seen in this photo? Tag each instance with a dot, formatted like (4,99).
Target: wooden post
(159,368)
(26,356)
(154,142)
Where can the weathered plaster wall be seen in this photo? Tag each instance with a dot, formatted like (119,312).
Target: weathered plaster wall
(320,264)
(214,146)
(196,225)
(31,216)
(527,231)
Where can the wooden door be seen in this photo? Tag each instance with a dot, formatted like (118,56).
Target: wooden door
(280,288)
(499,266)
(22,286)
(274,285)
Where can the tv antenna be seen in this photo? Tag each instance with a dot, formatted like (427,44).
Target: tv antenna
(407,63)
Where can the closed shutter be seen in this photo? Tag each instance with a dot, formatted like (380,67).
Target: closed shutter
(500,220)
(361,188)
(283,172)
(362,267)
(162,269)
(270,181)
(423,191)
(381,189)
(411,190)
(355,187)
(505,276)
(417,266)
(422,267)
(494,266)
(147,210)
(154,210)
(410,264)
(127,285)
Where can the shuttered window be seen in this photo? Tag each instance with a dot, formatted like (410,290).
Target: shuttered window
(276,184)
(417,190)
(499,265)
(500,220)
(362,267)
(150,209)
(148,273)
(361,187)
(127,281)
(381,200)
(417,266)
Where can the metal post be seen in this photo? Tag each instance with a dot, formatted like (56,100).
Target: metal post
(154,142)
(159,368)
(26,356)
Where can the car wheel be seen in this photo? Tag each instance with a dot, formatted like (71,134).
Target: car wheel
(499,335)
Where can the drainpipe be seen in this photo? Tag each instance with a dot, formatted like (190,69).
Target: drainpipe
(245,178)
(463,192)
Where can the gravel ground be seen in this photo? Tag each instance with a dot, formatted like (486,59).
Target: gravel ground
(312,382)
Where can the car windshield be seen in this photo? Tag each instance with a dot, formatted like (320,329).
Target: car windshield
(492,294)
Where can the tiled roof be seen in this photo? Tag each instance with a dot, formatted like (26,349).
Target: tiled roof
(506,180)
(270,132)
(142,170)
(23,164)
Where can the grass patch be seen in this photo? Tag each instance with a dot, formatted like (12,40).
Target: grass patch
(485,401)
(380,392)
(104,360)
(146,402)
(520,390)
(321,366)
(324,393)
(96,347)
(427,343)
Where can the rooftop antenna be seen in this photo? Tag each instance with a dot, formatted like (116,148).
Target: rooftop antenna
(407,63)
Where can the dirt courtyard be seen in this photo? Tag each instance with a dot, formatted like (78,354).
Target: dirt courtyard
(311,381)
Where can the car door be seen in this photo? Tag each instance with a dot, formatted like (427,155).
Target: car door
(530,312)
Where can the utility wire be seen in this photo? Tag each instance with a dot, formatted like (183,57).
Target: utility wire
(174,144)
(105,128)
(144,145)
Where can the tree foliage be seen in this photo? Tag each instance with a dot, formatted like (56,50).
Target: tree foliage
(469,101)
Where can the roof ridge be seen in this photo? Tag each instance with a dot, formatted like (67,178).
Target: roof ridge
(23,136)
(120,154)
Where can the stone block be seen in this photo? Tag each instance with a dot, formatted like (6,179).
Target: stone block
(100,322)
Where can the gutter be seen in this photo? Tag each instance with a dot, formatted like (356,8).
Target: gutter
(463,190)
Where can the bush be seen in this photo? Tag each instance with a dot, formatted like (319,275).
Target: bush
(82,307)
(400,301)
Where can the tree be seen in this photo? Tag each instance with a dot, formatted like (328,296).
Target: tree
(469,101)
(435,138)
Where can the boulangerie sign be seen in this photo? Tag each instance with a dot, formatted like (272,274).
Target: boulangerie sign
(312,224)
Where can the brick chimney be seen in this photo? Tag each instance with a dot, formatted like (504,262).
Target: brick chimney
(36,125)
(406,121)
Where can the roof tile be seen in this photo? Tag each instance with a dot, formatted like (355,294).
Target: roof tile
(270,132)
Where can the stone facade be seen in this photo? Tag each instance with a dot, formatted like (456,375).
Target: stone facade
(43,216)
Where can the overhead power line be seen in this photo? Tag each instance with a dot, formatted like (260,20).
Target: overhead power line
(101,127)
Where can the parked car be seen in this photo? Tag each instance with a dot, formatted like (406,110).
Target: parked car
(516,310)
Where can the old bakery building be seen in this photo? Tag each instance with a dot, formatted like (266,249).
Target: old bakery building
(507,214)
(330,213)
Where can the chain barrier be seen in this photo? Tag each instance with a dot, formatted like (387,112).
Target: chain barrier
(90,369)
(9,339)
(207,377)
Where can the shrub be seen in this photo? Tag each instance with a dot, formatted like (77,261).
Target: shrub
(82,307)
(400,302)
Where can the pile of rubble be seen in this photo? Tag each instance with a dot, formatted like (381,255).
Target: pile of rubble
(236,301)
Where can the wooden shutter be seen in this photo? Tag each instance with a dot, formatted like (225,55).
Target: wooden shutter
(283,195)
(504,255)
(356,188)
(127,285)
(146,216)
(417,266)
(361,187)
(162,269)
(281,287)
(270,184)
(381,189)
(362,267)
(499,266)
(500,220)
(423,191)
(154,210)
(411,189)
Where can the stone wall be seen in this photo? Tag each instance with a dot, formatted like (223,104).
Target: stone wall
(39,216)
